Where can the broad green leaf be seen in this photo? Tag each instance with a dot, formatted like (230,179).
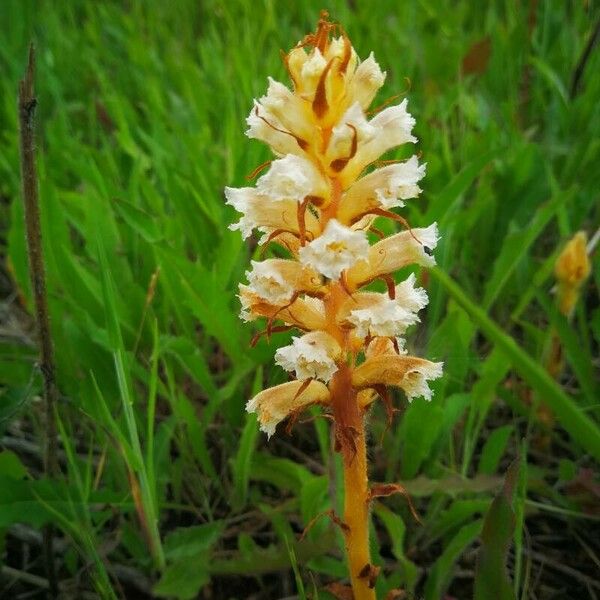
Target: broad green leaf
(191,542)
(183,579)
(491,579)
(493,449)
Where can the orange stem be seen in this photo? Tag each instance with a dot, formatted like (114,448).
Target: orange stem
(356,516)
(351,441)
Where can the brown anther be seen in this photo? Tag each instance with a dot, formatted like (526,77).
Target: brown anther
(295,414)
(370,573)
(344,283)
(379,108)
(321,36)
(384,163)
(258,170)
(276,233)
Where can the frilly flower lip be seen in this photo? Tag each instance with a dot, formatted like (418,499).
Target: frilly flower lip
(275,404)
(291,178)
(377,315)
(312,356)
(336,250)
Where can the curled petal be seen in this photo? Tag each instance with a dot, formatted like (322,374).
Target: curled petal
(393,253)
(275,404)
(392,127)
(288,109)
(312,356)
(366,81)
(336,250)
(266,127)
(407,372)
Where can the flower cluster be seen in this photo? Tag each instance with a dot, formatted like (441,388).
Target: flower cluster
(318,200)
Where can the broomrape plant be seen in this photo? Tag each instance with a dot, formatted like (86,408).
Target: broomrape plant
(318,200)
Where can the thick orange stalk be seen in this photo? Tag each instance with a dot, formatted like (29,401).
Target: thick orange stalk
(350,438)
(356,517)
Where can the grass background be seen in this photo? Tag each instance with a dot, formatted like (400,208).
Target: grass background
(167,487)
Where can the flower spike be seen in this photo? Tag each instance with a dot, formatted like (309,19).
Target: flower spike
(314,199)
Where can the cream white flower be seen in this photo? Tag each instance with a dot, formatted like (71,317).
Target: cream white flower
(395,183)
(415,384)
(337,249)
(395,252)
(265,214)
(386,318)
(407,372)
(269,283)
(302,314)
(384,188)
(266,127)
(291,177)
(288,109)
(275,404)
(365,83)
(276,280)
(392,127)
(312,356)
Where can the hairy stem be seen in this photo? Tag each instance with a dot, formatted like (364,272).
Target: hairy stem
(351,441)
(356,517)
(26,105)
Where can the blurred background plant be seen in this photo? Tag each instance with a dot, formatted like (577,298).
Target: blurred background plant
(140,126)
